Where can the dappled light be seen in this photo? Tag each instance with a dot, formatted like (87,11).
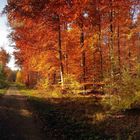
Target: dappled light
(11,99)
(82,118)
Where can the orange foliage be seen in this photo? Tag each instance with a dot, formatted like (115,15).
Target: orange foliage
(48,36)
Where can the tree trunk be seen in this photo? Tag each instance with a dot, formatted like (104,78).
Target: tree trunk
(129,57)
(119,50)
(139,49)
(28,80)
(94,64)
(101,53)
(99,40)
(111,42)
(54,78)
(83,58)
(60,55)
(66,60)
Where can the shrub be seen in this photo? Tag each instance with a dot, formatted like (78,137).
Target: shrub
(121,94)
(3,84)
(71,85)
(44,84)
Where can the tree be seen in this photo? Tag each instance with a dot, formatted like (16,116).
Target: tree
(19,77)
(84,39)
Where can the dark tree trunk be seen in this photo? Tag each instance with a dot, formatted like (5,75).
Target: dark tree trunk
(60,54)
(101,53)
(83,58)
(111,42)
(119,50)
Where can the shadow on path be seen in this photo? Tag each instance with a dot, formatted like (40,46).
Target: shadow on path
(84,119)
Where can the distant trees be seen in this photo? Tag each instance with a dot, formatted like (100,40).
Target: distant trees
(19,77)
(4,58)
(90,40)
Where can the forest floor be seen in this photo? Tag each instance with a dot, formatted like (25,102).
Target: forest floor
(82,118)
(16,120)
(29,115)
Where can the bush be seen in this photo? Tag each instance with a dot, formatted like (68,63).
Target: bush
(71,85)
(20,85)
(3,84)
(121,94)
(44,84)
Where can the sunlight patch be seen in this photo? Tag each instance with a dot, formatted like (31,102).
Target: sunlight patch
(25,112)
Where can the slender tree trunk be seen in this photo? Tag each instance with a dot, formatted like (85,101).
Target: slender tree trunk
(129,57)
(28,80)
(54,77)
(94,64)
(111,42)
(83,58)
(101,53)
(60,54)
(66,61)
(99,39)
(139,50)
(119,50)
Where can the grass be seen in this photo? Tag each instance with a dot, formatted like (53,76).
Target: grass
(68,119)
(80,118)
(2,92)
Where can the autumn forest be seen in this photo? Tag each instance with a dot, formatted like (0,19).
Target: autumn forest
(79,64)
(87,40)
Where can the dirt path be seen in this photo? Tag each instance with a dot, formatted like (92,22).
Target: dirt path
(16,121)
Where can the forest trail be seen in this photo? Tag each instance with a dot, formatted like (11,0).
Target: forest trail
(16,120)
